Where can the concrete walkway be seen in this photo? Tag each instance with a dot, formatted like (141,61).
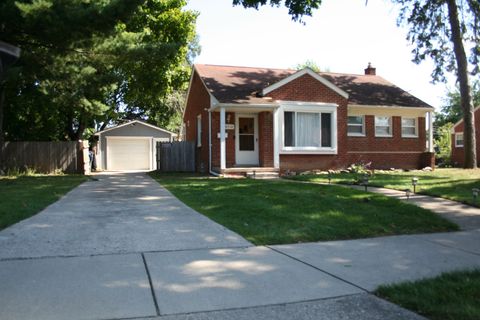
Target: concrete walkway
(123,247)
(465,216)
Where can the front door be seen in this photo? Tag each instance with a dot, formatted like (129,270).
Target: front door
(246,143)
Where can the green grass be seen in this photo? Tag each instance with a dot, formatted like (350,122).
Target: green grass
(23,196)
(453,184)
(278,212)
(451,296)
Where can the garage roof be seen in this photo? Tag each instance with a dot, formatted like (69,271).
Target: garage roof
(134,122)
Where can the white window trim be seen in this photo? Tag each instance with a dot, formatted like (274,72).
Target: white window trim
(459,145)
(390,126)
(416,128)
(199,130)
(354,134)
(312,108)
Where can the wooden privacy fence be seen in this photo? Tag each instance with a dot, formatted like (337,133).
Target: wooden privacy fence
(176,156)
(45,156)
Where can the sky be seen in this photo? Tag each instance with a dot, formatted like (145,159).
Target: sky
(342,36)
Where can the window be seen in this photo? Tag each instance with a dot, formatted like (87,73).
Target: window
(356,126)
(307,130)
(383,126)
(409,127)
(199,130)
(459,140)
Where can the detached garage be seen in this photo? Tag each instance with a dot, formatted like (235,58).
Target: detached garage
(130,146)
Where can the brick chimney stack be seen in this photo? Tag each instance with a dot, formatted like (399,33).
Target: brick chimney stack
(371,71)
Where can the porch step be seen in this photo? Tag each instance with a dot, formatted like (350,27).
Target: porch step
(250,169)
(262,175)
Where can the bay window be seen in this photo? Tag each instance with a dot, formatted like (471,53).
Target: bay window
(308,130)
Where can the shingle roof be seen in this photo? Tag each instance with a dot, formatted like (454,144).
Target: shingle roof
(229,84)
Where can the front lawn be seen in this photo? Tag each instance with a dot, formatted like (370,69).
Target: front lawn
(279,212)
(23,196)
(453,184)
(451,296)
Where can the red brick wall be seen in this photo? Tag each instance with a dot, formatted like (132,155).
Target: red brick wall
(198,101)
(395,143)
(265,139)
(458,154)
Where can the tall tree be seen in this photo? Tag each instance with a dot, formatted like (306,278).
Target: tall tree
(443,30)
(64,89)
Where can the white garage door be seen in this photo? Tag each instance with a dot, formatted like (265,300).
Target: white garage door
(128,154)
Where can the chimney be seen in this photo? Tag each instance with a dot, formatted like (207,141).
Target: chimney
(371,71)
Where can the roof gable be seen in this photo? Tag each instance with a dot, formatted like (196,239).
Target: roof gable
(134,122)
(300,73)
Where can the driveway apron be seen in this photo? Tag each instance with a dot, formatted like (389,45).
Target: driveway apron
(115,213)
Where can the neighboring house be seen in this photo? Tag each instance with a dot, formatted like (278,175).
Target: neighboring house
(458,153)
(284,120)
(130,146)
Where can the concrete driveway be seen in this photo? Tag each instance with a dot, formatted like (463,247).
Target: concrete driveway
(116,213)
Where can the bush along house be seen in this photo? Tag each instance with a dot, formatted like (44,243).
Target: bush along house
(248,120)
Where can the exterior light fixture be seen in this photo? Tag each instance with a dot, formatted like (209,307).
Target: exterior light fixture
(329,177)
(414,184)
(365,181)
(408,192)
(475,193)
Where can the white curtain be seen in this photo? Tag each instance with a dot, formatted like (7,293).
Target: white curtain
(308,129)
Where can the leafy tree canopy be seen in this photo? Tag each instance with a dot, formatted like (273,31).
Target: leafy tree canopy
(85,64)
(308,64)
(431,32)
(451,111)
(296,8)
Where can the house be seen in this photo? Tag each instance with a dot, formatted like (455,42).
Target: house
(130,146)
(458,153)
(296,120)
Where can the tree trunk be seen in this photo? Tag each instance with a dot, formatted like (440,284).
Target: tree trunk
(2,137)
(2,101)
(465,90)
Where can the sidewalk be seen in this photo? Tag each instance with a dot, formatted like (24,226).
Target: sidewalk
(465,216)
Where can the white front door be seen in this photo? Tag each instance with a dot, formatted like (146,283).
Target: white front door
(246,142)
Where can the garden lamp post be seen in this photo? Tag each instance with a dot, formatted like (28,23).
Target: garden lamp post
(475,192)
(414,184)
(408,192)
(329,177)
(365,181)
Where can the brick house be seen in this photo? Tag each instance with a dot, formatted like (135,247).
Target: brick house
(258,119)
(458,153)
